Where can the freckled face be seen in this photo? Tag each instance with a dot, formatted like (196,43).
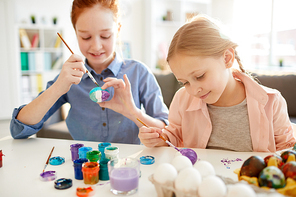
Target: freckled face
(203,77)
(96,33)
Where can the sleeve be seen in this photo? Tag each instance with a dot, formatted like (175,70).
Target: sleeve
(20,130)
(283,131)
(174,129)
(151,97)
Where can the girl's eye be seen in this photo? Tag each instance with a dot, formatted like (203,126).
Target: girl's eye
(183,84)
(105,37)
(200,77)
(86,38)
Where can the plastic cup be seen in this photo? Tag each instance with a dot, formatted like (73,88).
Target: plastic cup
(74,150)
(90,172)
(124,176)
(83,150)
(78,168)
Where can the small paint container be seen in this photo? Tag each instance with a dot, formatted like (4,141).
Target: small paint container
(147,160)
(56,160)
(112,152)
(74,150)
(103,173)
(85,191)
(102,147)
(93,156)
(90,172)
(83,150)
(48,176)
(77,164)
(1,154)
(63,183)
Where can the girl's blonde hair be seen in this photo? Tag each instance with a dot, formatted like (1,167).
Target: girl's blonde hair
(201,37)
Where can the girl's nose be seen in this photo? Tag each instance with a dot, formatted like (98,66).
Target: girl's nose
(97,44)
(194,91)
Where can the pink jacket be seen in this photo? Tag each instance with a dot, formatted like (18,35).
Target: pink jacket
(270,127)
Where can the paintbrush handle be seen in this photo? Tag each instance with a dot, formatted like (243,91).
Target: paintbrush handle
(87,72)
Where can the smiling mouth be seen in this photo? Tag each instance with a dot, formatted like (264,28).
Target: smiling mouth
(205,96)
(96,55)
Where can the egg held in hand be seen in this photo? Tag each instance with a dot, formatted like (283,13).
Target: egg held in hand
(97,94)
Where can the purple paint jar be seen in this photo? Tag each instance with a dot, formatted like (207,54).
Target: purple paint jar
(74,150)
(77,164)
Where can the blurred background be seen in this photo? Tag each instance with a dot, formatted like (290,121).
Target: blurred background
(31,54)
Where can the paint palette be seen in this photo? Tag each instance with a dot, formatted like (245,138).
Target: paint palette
(97,94)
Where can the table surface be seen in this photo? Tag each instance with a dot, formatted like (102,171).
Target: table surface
(24,160)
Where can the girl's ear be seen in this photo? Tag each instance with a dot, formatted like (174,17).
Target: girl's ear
(118,28)
(229,57)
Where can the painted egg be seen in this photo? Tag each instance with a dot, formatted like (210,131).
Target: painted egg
(289,170)
(191,154)
(97,94)
(188,180)
(279,160)
(272,177)
(286,154)
(252,166)
(294,147)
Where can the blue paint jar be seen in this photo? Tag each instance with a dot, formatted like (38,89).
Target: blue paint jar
(78,168)
(83,150)
(102,147)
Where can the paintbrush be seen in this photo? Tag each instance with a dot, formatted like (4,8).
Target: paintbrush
(87,72)
(48,159)
(160,136)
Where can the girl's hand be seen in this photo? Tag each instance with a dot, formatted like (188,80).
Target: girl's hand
(122,101)
(71,73)
(150,136)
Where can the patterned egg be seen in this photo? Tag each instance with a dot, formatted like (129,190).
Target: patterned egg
(279,160)
(286,154)
(97,94)
(252,166)
(272,177)
(289,170)
(294,147)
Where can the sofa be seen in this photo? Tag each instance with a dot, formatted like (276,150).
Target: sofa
(285,82)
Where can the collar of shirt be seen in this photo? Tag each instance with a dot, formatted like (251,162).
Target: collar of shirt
(114,66)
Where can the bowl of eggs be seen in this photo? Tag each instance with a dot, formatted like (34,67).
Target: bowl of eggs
(181,178)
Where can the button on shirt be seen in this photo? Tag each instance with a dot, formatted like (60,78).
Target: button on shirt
(88,121)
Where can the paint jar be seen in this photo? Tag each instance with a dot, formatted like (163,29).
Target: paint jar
(93,156)
(74,150)
(1,154)
(112,152)
(83,150)
(103,173)
(124,176)
(90,172)
(77,164)
(102,147)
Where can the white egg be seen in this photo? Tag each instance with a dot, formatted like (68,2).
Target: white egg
(177,153)
(212,186)
(240,190)
(164,173)
(180,162)
(205,168)
(188,180)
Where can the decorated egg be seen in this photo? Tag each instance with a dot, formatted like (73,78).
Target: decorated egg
(286,154)
(289,170)
(191,154)
(165,173)
(252,166)
(97,94)
(180,162)
(294,147)
(279,160)
(271,177)
(188,180)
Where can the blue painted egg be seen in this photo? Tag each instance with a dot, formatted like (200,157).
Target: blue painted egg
(97,94)
(271,177)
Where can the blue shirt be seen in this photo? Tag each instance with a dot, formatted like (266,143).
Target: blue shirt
(88,121)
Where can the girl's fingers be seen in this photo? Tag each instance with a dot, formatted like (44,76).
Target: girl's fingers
(116,83)
(127,82)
